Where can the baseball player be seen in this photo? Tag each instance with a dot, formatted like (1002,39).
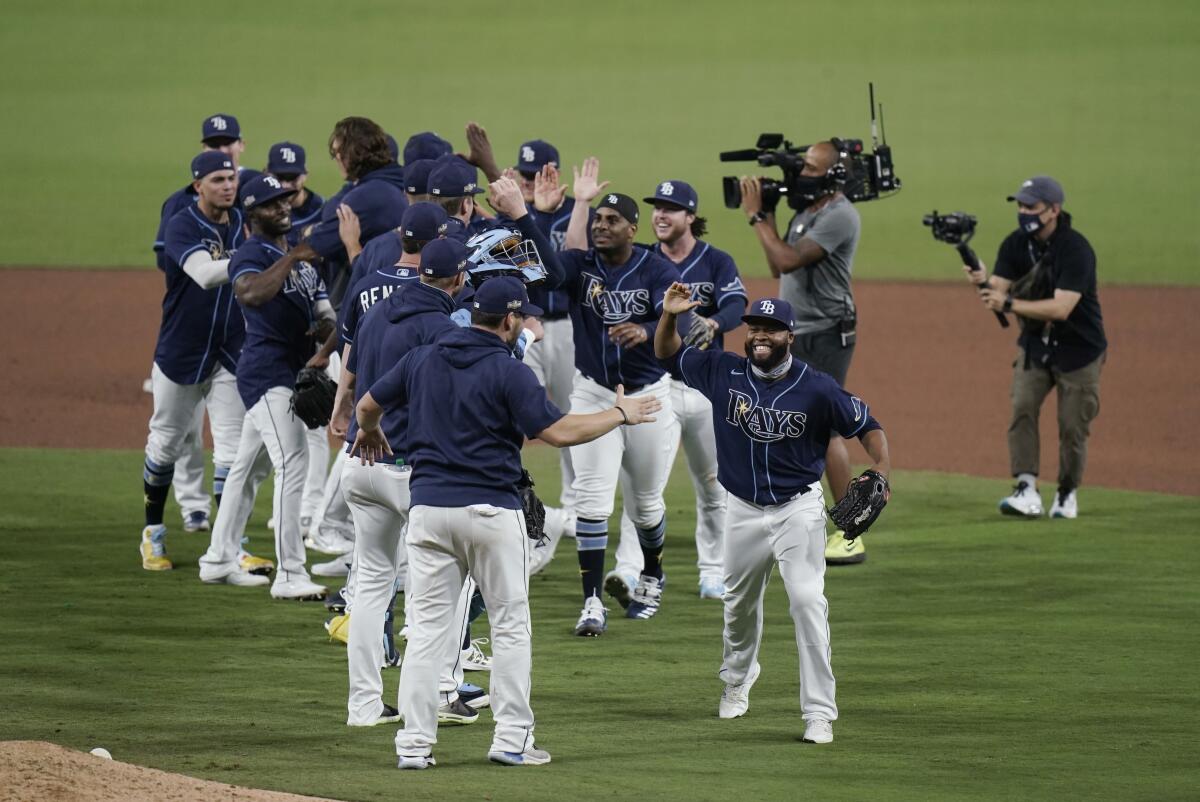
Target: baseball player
(616,293)
(470,407)
(286,161)
(713,277)
(773,416)
(284,304)
(198,344)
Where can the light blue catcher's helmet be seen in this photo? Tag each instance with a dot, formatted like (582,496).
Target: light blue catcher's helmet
(503,252)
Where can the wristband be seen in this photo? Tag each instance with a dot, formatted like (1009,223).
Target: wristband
(1008,299)
(624,417)
(758,217)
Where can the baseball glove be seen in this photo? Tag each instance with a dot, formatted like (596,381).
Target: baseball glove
(701,333)
(865,498)
(312,400)
(534,509)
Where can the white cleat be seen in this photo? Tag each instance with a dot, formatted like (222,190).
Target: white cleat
(338,567)
(329,541)
(299,589)
(1024,502)
(735,699)
(231,574)
(818,731)
(1065,505)
(474,658)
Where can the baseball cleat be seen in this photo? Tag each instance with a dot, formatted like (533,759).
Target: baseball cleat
(620,587)
(735,699)
(593,620)
(196,522)
(1024,502)
(712,589)
(338,567)
(839,551)
(422,762)
(474,696)
(457,712)
(1065,505)
(389,715)
(232,576)
(254,565)
(336,602)
(818,731)
(154,549)
(338,628)
(530,757)
(329,542)
(647,597)
(474,658)
(300,589)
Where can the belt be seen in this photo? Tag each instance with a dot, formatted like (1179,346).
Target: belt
(630,389)
(555,316)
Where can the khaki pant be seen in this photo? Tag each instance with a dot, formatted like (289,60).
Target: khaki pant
(1078,405)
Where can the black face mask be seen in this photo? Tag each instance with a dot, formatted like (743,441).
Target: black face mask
(805,189)
(1030,223)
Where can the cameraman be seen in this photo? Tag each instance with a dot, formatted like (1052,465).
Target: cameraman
(1046,275)
(813,267)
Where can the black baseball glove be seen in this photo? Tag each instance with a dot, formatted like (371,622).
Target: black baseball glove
(865,498)
(534,509)
(312,400)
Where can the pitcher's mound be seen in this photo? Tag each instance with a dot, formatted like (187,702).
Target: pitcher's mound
(36,770)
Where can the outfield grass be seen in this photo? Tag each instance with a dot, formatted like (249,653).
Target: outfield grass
(102,101)
(977,658)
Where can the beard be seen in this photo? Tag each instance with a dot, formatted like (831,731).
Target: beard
(772,359)
(273,226)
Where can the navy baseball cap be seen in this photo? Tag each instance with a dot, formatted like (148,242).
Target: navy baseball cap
(775,309)
(210,161)
(678,193)
(262,189)
(424,221)
(425,145)
(452,179)
(444,257)
(286,158)
(456,230)
(534,155)
(416,176)
(393,147)
(1039,188)
(220,126)
(623,204)
(503,294)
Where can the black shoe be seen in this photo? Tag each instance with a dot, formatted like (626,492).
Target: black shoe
(336,602)
(389,715)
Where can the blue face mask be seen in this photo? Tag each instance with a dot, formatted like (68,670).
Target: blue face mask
(1030,223)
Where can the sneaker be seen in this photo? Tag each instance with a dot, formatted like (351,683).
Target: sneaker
(1065,505)
(647,598)
(474,696)
(329,541)
(300,589)
(839,551)
(593,620)
(338,567)
(254,565)
(540,557)
(196,521)
(530,757)
(338,628)
(423,762)
(620,587)
(712,589)
(818,731)
(457,712)
(336,602)
(231,574)
(1024,501)
(154,549)
(390,715)
(735,699)
(474,658)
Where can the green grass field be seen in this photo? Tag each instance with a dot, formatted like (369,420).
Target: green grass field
(102,102)
(977,658)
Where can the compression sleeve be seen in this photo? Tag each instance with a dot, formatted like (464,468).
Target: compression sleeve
(206,271)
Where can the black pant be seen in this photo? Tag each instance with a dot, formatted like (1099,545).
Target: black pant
(824,351)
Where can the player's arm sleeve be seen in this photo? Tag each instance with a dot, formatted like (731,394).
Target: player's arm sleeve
(324,308)
(850,416)
(666,275)
(554,270)
(391,390)
(838,225)
(206,271)
(730,294)
(571,261)
(699,369)
(527,400)
(241,265)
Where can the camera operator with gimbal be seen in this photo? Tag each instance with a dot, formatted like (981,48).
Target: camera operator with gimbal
(1046,276)
(813,265)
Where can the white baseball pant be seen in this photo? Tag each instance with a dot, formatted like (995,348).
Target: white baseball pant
(791,534)
(693,416)
(318,455)
(188,481)
(271,436)
(552,360)
(444,544)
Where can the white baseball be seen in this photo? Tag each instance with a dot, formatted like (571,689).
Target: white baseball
(100,751)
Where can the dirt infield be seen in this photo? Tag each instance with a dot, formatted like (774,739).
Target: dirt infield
(35,770)
(933,365)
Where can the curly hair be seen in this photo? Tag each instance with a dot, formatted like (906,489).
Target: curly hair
(362,144)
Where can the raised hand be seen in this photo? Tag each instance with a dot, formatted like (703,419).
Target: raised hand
(481,154)
(504,195)
(548,194)
(588,185)
(678,299)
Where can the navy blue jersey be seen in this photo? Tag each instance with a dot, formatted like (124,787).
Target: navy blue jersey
(604,296)
(199,327)
(416,315)
(379,201)
(176,202)
(371,289)
(713,277)
(305,215)
(556,303)
(278,339)
(380,253)
(470,407)
(771,435)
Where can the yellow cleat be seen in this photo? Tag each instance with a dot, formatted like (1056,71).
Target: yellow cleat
(154,549)
(338,628)
(255,565)
(839,551)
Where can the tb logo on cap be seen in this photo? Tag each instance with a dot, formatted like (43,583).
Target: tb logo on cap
(219,123)
(288,155)
(527,154)
(612,198)
(272,182)
(766,307)
(666,189)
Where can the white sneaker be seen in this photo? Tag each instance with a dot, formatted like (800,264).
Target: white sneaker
(818,731)
(422,762)
(735,699)
(474,658)
(532,756)
(593,620)
(1065,505)
(301,589)
(712,589)
(231,574)
(1024,501)
(338,567)
(329,541)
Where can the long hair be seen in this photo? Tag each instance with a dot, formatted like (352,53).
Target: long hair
(699,227)
(362,144)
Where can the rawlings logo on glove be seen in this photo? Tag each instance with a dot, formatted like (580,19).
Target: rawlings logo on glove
(865,498)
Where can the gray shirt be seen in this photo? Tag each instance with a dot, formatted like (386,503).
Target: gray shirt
(820,293)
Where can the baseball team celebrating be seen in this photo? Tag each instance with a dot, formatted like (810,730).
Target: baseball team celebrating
(455,331)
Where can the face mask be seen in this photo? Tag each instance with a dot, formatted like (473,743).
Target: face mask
(806,189)
(1030,223)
